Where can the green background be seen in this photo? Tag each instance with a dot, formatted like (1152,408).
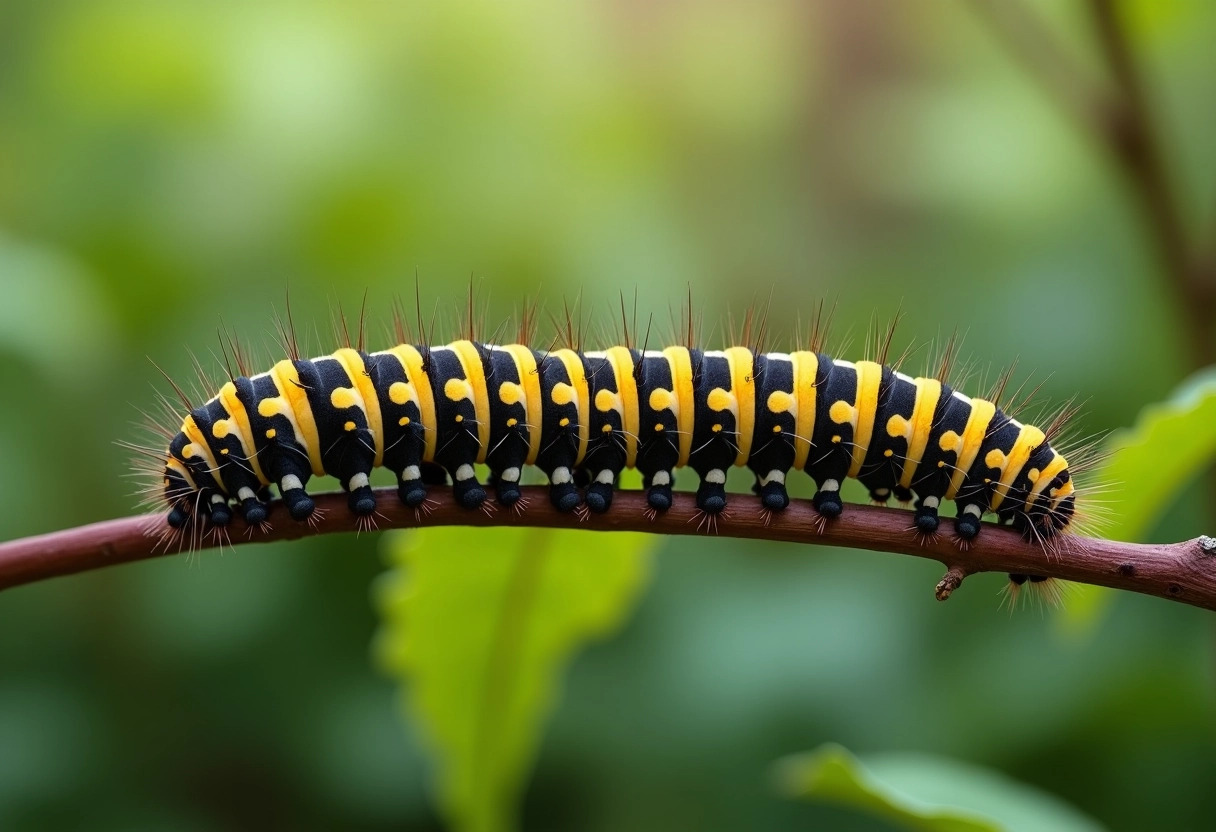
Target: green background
(168,166)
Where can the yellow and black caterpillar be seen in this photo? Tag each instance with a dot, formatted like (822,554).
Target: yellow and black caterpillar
(427,413)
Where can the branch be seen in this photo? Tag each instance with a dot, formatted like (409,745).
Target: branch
(1183,572)
(1120,119)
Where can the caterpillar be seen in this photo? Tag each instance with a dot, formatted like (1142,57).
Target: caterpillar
(430,413)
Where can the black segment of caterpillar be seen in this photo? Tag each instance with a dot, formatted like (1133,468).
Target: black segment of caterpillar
(430,413)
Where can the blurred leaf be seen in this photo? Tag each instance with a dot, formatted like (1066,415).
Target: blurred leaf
(1169,445)
(1150,463)
(921,791)
(480,624)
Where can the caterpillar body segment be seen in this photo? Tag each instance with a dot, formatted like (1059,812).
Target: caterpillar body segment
(432,413)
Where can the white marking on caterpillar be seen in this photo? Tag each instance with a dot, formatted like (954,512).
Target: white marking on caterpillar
(606,477)
(661,478)
(717,476)
(973,510)
(290,483)
(773,476)
(510,475)
(561,476)
(246,493)
(830,485)
(931,502)
(465,472)
(411,472)
(218,498)
(357,481)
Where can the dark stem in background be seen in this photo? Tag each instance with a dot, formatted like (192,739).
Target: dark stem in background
(1183,572)
(1119,118)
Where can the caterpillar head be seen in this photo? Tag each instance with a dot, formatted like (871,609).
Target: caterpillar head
(189,487)
(1041,503)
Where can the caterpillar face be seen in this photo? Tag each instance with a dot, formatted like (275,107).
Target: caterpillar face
(429,414)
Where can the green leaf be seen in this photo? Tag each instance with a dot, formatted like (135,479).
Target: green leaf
(924,792)
(1149,464)
(479,624)
(1169,445)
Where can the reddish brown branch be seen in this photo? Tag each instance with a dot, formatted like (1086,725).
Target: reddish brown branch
(1179,571)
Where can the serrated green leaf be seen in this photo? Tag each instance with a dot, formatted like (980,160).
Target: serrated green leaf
(479,625)
(1149,464)
(926,792)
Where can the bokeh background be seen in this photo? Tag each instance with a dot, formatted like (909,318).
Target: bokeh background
(165,167)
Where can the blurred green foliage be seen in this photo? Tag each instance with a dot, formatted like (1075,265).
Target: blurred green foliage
(479,625)
(166,166)
(925,792)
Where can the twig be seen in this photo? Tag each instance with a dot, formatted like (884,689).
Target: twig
(1178,571)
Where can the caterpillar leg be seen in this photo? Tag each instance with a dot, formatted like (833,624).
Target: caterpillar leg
(291,477)
(217,509)
(711,493)
(411,490)
(771,491)
(967,523)
(827,499)
(599,492)
(562,491)
(253,509)
(506,486)
(926,514)
(658,490)
(468,491)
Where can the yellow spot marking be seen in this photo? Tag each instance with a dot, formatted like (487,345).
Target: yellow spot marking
(717,428)
(342,398)
(658,426)
(995,459)
(836,438)
(459,418)
(564,422)
(661,399)
(239,424)
(776,428)
(224,451)
(1032,475)
(928,391)
(941,463)
(950,441)
(898,426)
(403,421)
(720,399)
(606,400)
(780,401)
(288,381)
(806,367)
(1044,479)
(349,426)
(510,393)
(400,393)
(681,382)
(1029,438)
(578,387)
(627,387)
(841,413)
(368,397)
(220,429)
(971,440)
(198,445)
(869,379)
(606,429)
(457,389)
(411,362)
(525,365)
(270,434)
(512,422)
(888,453)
